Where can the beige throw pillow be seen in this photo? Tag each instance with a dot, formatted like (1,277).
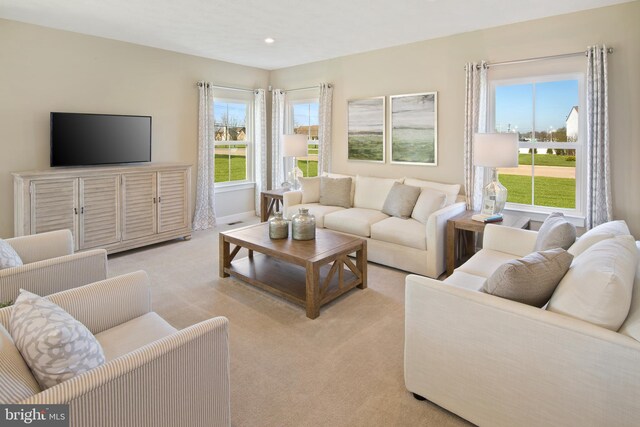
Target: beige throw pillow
(555,232)
(530,280)
(401,200)
(310,189)
(55,345)
(335,191)
(428,202)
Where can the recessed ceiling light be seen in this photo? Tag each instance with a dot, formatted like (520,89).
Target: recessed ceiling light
(269,40)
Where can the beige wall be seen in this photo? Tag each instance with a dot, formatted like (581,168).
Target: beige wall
(437,65)
(44,70)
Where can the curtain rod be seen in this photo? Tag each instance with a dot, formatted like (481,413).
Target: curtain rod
(300,88)
(239,89)
(539,58)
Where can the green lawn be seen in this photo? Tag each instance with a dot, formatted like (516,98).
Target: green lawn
(556,192)
(548,160)
(238,168)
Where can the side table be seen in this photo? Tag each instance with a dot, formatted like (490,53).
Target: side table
(462,227)
(269,200)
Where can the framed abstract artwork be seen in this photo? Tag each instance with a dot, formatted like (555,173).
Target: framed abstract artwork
(414,129)
(366,129)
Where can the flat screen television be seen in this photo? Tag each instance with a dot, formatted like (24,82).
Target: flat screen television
(79,139)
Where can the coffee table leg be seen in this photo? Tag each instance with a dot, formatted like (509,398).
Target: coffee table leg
(313,290)
(361,264)
(223,256)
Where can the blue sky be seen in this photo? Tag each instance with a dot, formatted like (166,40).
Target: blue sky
(305,114)
(237,112)
(554,100)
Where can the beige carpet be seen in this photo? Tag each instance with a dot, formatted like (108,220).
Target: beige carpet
(343,369)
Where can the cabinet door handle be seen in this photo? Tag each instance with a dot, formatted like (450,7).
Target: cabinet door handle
(154,200)
(75,211)
(160,199)
(82,210)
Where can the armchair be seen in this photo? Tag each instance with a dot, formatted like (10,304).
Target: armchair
(50,265)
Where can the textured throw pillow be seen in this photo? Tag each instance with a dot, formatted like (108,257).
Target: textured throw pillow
(555,232)
(596,234)
(55,345)
(335,191)
(8,256)
(339,175)
(599,285)
(428,202)
(310,189)
(451,190)
(401,200)
(530,280)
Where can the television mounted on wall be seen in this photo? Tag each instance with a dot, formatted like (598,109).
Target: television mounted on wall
(81,139)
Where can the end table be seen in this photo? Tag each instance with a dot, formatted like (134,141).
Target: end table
(462,227)
(269,200)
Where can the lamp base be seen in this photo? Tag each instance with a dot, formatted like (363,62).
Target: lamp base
(494,196)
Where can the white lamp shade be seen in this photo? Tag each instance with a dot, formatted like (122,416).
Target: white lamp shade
(495,150)
(294,145)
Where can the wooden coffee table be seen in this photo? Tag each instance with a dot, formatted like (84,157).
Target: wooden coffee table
(309,273)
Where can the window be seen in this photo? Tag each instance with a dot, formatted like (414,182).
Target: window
(305,121)
(546,113)
(232,145)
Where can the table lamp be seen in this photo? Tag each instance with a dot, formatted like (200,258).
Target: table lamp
(294,145)
(495,150)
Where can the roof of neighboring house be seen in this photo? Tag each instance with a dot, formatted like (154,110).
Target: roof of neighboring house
(575,107)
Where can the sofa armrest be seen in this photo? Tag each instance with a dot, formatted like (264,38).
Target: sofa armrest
(37,247)
(509,240)
(182,379)
(437,237)
(108,303)
(54,275)
(290,198)
(498,362)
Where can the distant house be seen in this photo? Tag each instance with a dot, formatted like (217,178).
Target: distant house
(572,124)
(310,131)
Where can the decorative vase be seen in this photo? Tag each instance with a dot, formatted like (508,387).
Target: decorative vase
(278,226)
(303,225)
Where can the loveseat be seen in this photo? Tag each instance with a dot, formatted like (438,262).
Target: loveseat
(494,361)
(154,375)
(410,244)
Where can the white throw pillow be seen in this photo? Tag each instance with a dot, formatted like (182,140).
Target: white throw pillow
(8,256)
(372,192)
(428,202)
(310,189)
(451,190)
(596,234)
(631,325)
(55,345)
(598,286)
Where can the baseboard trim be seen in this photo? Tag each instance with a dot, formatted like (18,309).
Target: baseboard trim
(242,216)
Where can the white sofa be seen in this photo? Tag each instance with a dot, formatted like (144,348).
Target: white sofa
(498,362)
(154,375)
(406,244)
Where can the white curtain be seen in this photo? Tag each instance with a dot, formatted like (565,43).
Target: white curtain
(205,216)
(260,144)
(324,128)
(278,115)
(599,203)
(475,120)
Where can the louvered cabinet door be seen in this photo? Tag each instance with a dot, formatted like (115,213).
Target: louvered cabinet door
(138,205)
(99,211)
(173,202)
(54,206)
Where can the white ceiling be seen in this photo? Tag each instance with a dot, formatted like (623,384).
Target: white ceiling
(305,30)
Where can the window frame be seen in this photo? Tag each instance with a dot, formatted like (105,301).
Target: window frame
(290,120)
(249,142)
(538,212)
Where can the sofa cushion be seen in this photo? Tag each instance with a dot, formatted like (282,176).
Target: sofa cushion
(451,190)
(310,189)
(405,232)
(335,191)
(353,221)
(598,286)
(315,209)
(401,200)
(532,279)
(464,280)
(8,256)
(339,175)
(601,232)
(372,192)
(428,202)
(55,345)
(485,262)
(555,232)
(16,381)
(631,325)
(132,335)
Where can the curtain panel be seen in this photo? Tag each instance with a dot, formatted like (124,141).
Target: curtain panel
(278,113)
(205,216)
(475,120)
(260,144)
(324,128)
